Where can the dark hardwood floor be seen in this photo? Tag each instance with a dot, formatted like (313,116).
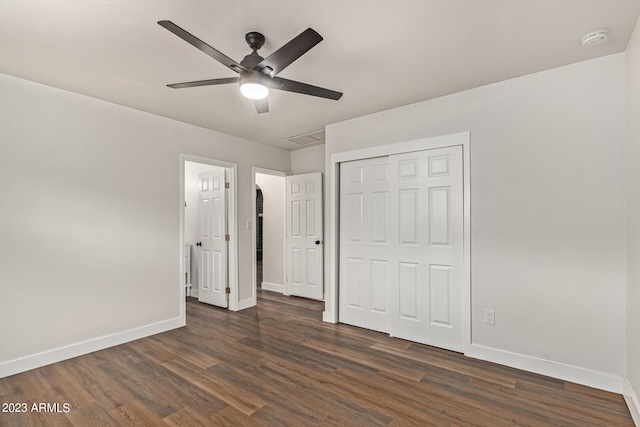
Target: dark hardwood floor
(279,364)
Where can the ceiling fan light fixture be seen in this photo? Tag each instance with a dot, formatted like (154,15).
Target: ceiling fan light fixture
(253,89)
(257,74)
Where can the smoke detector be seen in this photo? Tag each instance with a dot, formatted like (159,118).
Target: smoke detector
(595,38)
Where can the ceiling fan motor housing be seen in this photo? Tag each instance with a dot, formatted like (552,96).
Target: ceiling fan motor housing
(255,41)
(251,60)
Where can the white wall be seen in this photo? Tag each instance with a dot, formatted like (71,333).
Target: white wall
(273,193)
(90,220)
(307,160)
(547,210)
(633,222)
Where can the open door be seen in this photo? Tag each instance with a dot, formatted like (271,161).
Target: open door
(304,238)
(212,245)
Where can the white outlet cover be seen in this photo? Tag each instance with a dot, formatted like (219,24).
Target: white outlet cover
(490,317)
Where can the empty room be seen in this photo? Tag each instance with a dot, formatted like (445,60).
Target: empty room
(368,213)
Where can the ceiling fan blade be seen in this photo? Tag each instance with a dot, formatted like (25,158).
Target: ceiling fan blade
(209,82)
(262,105)
(292,86)
(199,44)
(283,57)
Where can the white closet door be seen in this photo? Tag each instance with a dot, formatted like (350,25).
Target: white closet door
(401,246)
(364,243)
(427,259)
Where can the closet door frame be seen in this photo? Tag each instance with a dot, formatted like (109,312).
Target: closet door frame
(333,256)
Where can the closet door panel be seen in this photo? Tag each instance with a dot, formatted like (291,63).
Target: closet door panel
(364,244)
(427,235)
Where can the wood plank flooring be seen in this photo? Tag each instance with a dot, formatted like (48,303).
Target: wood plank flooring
(280,365)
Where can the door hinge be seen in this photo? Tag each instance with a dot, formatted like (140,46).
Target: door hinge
(227,290)
(227,237)
(226,185)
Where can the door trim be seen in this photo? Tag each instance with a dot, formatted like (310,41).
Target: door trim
(330,313)
(254,170)
(232,209)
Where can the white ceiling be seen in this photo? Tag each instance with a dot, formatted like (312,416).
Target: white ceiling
(381,54)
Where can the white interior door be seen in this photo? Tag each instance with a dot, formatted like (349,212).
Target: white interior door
(401,246)
(364,243)
(304,237)
(426,304)
(212,246)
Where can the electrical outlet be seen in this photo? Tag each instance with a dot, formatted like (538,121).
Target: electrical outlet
(489,317)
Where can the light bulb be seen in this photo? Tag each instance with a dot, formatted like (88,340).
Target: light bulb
(254,90)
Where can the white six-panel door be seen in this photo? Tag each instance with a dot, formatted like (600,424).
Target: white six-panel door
(365,270)
(401,246)
(428,257)
(304,239)
(212,244)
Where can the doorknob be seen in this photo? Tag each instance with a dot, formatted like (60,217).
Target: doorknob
(199,244)
(317,242)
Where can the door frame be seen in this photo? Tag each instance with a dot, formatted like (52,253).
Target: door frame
(254,221)
(232,224)
(330,313)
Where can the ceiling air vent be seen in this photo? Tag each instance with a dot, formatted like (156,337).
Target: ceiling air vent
(313,138)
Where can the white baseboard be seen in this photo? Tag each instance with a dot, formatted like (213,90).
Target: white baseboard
(273,287)
(194,292)
(632,402)
(27,363)
(588,377)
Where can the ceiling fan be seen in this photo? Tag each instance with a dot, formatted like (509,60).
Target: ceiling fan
(256,74)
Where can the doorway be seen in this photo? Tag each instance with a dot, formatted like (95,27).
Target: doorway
(259,235)
(269,230)
(194,267)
